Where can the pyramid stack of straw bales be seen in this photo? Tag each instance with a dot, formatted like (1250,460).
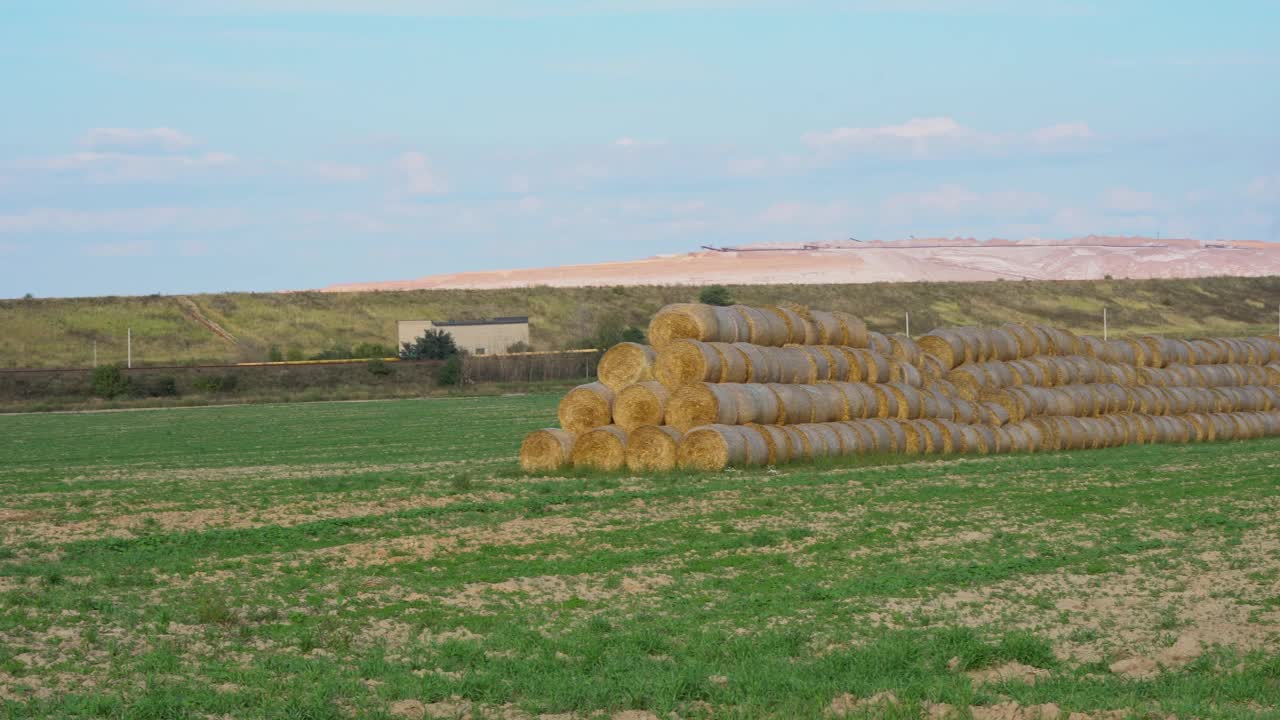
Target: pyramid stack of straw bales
(751,386)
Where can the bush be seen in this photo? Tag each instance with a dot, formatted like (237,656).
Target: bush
(216,383)
(160,386)
(715,295)
(519,346)
(372,350)
(274,354)
(109,381)
(610,331)
(379,367)
(294,354)
(435,344)
(451,372)
(337,352)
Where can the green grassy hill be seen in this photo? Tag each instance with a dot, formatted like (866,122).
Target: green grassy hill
(62,332)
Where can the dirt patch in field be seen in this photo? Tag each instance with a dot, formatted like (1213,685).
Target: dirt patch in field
(1161,612)
(553,588)
(1009,672)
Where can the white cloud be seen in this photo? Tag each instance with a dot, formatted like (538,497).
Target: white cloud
(338,172)
(161,139)
(1128,200)
(916,134)
(529,203)
(419,177)
(132,220)
(115,167)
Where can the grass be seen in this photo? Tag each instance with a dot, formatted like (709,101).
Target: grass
(62,332)
(387,559)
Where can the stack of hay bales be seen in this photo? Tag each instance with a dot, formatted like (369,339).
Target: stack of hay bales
(745,386)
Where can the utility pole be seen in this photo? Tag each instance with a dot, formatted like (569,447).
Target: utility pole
(908,317)
(95,353)
(129,344)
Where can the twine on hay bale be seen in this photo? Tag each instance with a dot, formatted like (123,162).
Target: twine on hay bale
(643,403)
(586,407)
(604,448)
(626,363)
(546,449)
(653,448)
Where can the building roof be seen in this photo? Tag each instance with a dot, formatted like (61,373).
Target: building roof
(513,320)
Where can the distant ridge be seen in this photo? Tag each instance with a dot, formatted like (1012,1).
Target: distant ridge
(1093,257)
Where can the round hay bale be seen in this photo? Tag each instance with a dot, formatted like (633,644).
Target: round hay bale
(949,431)
(830,331)
(819,362)
(778,442)
(971,441)
(693,321)
(838,362)
(797,366)
(913,443)
(851,442)
(830,438)
(731,326)
(795,405)
(643,403)
(1004,345)
(686,361)
(828,402)
(733,363)
(893,428)
(704,404)
(763,327)
(756,362)
(993,413)
(653,448)
(604,448)
(758,404)
(546,449)
(626,363)
(859,400)
(903,349)
(886,401)
(967,412)
(801,449)
(945,345)
(713,447)
(797,327)
(586,407)
(932,436)
(909,400)
(901,372)
(931,367)
(879,343)
(855,331)
(757,446)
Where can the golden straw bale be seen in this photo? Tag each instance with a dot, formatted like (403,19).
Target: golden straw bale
(904,349)
(879,343)
(859,400)
(969,440)
(764,327)
(626,363)
(797,366)
(644,403)
(886,401)
(759,403)
(704,404)
(1004,346)
(778,441)
(893,428)
(653,448)
(731,326)
(819,362)
(829,438)
(801,449)
(796,326)
(945,345)
(838,361)
(757,362)
(872,366)
(586,407)
(714,447)
(828,402)
(546,449)
(932,435)
(685,361)
(931,367)
(855,331)
(733,363)
(604,448)
(830,331)
(795,406)
(901,372)
(693,321)
(817,442)
(851,442)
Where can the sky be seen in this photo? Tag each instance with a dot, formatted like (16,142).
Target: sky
(151,146)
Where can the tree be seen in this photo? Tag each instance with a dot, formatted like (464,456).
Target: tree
(451,372)
(435,344)
(274,354)
(610,331)
(633,334)
(109,381)
(715,295)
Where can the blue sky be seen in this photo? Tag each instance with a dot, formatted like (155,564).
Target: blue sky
(205,145)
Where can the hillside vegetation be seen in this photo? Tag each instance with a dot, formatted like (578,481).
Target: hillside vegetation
(62,332)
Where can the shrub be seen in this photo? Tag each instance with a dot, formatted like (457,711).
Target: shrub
(160,386)
(109,381)
(337,352)
(518,347)
(372,350)
(216,383)
(379,367)
(293,354)
(451,372)
(435,344)
(610,331)
(274,354)
(715,295)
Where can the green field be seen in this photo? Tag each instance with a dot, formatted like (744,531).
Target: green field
(387,559)
(62,332)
